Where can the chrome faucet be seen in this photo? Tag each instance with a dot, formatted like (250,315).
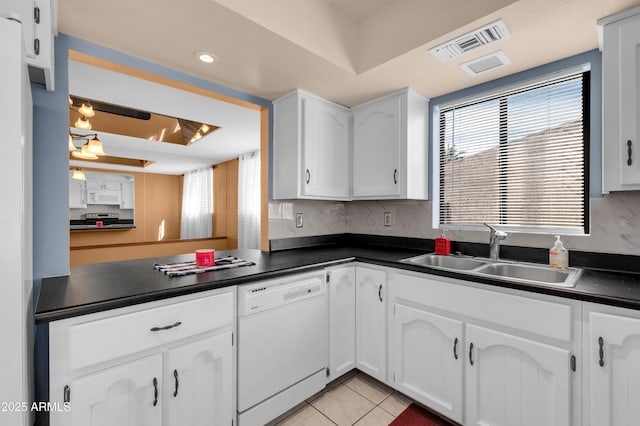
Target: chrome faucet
(494,241)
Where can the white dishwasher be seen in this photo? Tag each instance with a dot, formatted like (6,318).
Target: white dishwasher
(283,335)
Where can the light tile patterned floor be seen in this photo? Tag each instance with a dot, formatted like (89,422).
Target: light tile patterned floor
(353,399)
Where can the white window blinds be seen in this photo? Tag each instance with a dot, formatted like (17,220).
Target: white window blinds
(518,158)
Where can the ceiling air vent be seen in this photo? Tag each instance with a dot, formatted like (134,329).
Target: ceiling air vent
(485,63)
(483,36)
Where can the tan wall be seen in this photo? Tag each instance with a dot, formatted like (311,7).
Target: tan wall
(158,199)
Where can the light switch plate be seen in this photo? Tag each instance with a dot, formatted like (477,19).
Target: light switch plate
(387,219)
(298,220)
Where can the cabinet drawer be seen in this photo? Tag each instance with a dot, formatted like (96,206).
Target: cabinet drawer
(545,318)
(102,340)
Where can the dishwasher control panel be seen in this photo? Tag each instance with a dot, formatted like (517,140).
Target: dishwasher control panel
(270,294)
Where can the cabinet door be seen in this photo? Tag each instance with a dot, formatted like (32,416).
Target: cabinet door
(342,321)
(77,194)
(325,150)
(371,314)
(613,357)
(429,359)
(127,200)
(198,383)
(127,395)
(629,71)
(376,149)
(511,381)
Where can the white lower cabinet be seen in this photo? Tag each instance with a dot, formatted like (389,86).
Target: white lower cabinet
(482,357)
(126,395)
(371,322)
(342,320)
(429,359)
(165,363)
(515,381)
(612,360)
(197,382)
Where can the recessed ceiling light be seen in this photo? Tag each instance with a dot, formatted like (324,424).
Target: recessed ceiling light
(206,57)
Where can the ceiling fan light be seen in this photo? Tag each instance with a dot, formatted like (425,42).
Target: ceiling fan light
(78,175)
(83,123)
(94,146)
(87,110)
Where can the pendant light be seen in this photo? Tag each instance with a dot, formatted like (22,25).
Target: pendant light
(87,110)
(83,123)
(94,146)
(78,174)
(72,147)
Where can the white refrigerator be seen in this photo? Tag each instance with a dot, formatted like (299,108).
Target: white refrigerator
(16,282)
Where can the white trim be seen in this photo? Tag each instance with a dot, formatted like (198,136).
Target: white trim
(478,97)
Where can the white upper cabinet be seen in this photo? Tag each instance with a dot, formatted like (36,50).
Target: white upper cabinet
(390,155)
(620,45)
(39,25)
(311,148)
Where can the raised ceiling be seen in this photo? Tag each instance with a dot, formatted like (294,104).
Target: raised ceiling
(348,51)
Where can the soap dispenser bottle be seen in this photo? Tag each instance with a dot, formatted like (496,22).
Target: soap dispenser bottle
(443,245)
(558,255)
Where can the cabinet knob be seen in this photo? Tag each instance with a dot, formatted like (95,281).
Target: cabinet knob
(629,152)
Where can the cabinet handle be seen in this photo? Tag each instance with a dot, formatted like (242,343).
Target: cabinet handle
(572,362)
(455,348)
(155,391)
(308,176)
(175,376)
(67,393)
(601,344)
(395,176)
(629,152)
(36,46)
(471,353)
(167,327)
(36,15)
(380,292)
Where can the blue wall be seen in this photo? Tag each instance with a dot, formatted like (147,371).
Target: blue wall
(51,157)
(594,58)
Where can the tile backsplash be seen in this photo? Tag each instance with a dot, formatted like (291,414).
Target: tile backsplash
(615,223)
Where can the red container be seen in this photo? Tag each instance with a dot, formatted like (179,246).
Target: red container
(205,257)
(443,246)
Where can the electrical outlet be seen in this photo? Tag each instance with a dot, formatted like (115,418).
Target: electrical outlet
(298,220)
(387,219)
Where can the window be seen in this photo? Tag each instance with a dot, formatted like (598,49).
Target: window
(518,158)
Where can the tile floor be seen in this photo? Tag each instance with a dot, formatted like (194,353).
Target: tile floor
(353,399)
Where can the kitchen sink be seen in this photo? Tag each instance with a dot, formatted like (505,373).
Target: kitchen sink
(446,262)
(526,273)
(535,274)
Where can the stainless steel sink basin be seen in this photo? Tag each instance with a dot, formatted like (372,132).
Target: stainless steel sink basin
(526,273)
(446,262)
(534,274)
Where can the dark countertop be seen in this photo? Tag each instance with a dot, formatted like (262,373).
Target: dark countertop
(103,286)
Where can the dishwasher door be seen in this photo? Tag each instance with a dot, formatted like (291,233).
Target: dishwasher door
(282,346)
